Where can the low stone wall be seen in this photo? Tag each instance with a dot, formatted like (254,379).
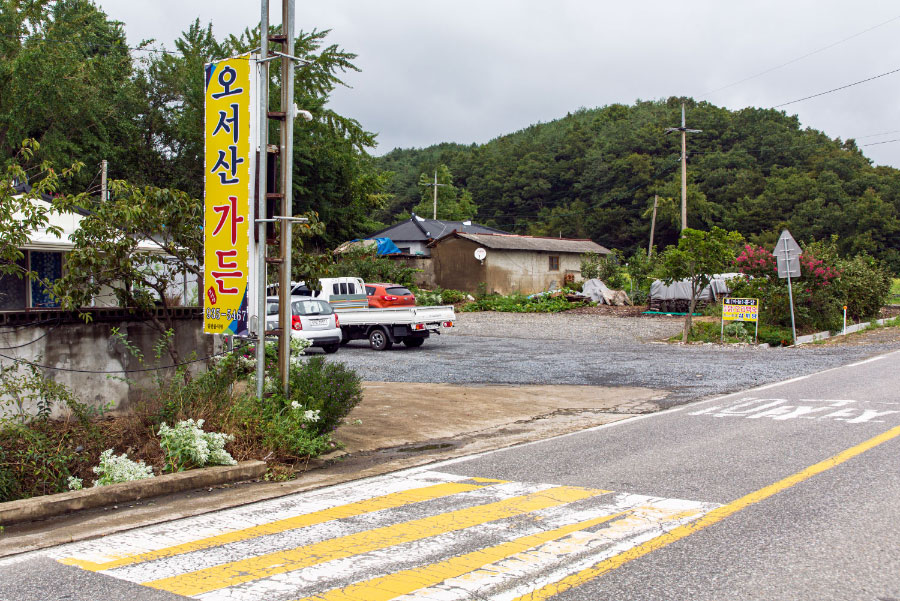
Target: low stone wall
(94,364)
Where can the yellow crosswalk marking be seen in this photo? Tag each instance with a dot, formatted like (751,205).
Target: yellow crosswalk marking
(280,562)
(389,501)
(407,581)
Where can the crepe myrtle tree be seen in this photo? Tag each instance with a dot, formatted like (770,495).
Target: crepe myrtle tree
(696,258)
(139,243)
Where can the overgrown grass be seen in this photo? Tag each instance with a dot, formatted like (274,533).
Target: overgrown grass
(519,303)
(895,290)
(39,454)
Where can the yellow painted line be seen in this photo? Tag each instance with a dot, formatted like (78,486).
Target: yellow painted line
(714,516)
(280,562)
(407,581)
(389,501)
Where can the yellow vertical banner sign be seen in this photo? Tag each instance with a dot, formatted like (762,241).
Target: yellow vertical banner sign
(229,187)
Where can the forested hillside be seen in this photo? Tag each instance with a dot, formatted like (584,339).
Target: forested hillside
(593,174)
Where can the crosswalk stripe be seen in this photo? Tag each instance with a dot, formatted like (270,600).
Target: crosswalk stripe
(389,501)
(270,564)
(407,581)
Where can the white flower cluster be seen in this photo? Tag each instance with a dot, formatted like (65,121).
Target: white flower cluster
(119,468)
(75,483)
(298,345)
(187,440)
(309,415)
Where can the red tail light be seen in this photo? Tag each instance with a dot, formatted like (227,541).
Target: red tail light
(296,324)
(447,324)
(389,298)
(337,322)
(418,326)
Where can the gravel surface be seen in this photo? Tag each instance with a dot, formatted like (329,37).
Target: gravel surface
(595,350)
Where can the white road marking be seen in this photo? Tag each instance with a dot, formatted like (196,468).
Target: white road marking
(847,410)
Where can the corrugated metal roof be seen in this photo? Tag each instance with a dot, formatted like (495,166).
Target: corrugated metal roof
(512,242)
(419,229)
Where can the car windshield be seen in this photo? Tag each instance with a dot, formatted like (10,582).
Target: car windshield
(398,291)
(271,308)
(312,307)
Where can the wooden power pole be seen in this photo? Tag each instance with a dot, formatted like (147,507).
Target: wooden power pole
(684,131)
(653,224)
(436,185)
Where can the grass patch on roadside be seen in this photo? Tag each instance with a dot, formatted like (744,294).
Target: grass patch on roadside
(737,332)
(895,290)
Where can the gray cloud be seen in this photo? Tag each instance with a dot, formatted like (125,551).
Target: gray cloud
(468,71)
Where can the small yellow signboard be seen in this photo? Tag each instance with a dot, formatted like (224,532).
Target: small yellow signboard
(229,191)
(740,309)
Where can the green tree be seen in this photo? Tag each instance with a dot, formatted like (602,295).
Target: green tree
(139,243)
(66,81)
(697,257)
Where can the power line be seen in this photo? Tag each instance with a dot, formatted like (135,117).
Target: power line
(849,85)
(884,142)
(799,58)
(114,371)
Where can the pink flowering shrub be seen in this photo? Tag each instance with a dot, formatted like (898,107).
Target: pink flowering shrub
(756,261)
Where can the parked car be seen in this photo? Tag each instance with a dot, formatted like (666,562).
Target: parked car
(312,319)
(382,296)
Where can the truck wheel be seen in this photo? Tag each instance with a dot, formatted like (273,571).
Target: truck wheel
(413,341)
(331,348)
(379,340)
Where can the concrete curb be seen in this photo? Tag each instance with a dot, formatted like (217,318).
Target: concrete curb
(38,508)
(850,329)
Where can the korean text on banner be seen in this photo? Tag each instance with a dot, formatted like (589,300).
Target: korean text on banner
(229,185)
(740,309)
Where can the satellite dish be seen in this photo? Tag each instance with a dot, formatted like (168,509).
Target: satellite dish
(480,254)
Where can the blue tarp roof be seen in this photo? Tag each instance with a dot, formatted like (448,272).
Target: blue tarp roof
(386,246)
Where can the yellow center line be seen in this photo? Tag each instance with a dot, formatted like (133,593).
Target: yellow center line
(407,581)
(280,562)
(388,501)
(714,516)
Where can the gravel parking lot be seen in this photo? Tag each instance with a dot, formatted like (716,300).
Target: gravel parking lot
(593,350)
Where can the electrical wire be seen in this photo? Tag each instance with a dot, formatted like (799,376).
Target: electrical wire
(42,336)
(849,85)
(799,58)
(115,371)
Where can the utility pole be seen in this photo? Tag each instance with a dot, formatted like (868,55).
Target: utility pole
(653,224)
(684,131)
(104,194)
(435,184)
(284,198)
(287,184)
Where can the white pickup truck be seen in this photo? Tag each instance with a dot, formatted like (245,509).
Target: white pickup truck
(381,327)
(384,327)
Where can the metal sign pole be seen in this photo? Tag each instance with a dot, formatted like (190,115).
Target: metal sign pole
(263,100)
(787,258)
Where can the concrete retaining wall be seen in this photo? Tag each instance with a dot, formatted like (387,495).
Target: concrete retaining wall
(77,348)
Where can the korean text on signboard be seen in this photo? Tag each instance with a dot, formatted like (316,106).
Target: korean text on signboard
(228,191)
(740,309)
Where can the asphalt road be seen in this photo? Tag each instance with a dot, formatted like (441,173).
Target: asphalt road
(592,351)
(788,491)
(832,536)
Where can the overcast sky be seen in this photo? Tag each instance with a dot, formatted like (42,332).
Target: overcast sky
(469,71)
